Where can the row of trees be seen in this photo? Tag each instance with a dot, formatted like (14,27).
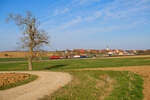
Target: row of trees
(143,52)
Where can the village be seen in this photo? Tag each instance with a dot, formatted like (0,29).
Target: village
(75,53)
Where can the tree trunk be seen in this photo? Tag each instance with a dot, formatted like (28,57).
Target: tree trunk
(29,63)
(30,58)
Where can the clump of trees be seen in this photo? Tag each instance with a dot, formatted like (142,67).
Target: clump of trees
(143,52)
(33,38)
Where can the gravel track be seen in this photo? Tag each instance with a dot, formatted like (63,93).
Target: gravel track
(47,83)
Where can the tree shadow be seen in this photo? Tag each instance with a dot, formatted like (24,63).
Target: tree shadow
(56,66)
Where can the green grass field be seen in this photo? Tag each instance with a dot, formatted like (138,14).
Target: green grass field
(18,59)
(76,63)
(89,85)
(12,59)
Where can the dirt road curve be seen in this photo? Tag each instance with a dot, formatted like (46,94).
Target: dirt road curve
(142,70)
(47,83)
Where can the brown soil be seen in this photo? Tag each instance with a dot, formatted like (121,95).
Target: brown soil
(11,78)
(16,54)
(144,71)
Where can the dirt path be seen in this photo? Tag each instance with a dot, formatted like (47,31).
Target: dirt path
(47,83)
(144,71)
(135,56)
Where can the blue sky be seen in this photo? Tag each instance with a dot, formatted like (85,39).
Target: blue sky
(82,24)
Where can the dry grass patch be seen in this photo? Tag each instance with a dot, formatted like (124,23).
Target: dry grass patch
(106,84)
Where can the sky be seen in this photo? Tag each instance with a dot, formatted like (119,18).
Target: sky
(81,24)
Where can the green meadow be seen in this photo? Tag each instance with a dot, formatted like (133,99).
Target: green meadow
(62,64)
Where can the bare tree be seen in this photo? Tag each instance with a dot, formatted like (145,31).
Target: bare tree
(33,38)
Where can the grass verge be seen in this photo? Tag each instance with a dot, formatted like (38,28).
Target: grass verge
(101,85)
(12,59)
(31,78)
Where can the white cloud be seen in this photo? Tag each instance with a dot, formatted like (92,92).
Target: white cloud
(125,10)
(96,15)
(81,2)
(72,22)
(61,11)
(120,9)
